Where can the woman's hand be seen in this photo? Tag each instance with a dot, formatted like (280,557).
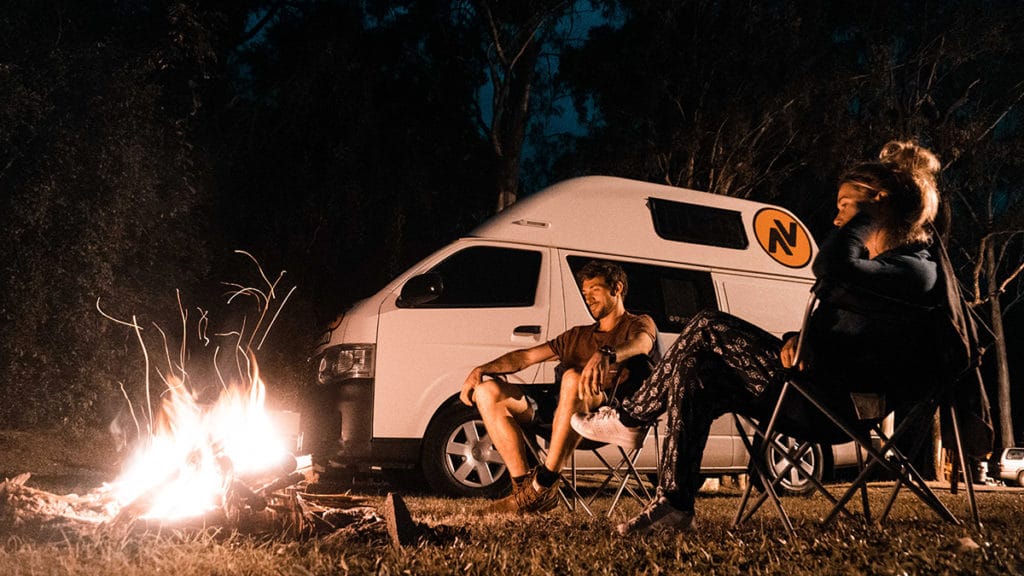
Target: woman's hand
(788,353)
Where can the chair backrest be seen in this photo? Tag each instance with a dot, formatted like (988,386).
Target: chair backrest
(962,357)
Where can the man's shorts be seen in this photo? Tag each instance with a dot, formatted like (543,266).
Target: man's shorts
(543,399)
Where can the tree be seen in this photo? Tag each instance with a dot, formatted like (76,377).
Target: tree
(516,34)
(714,96)
(353,150)
(951,83)
(103,192)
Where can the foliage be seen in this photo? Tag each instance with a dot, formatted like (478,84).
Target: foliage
(101,194)
(142,142)
(706,95)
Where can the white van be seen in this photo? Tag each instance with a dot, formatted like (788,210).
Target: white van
(398,359)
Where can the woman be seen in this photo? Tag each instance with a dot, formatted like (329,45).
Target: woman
(872,274)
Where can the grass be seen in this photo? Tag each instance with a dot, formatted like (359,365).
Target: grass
(914,541)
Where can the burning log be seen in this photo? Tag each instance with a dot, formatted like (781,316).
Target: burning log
(279,506)
(336,518)
(130,512)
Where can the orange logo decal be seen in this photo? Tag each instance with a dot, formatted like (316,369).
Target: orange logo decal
(782,237)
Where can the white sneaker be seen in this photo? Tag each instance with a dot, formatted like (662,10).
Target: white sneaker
(658,515)
(605,426)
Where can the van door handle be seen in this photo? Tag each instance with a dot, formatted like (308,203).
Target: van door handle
(530,329)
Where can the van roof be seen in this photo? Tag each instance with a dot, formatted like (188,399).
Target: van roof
(613,216)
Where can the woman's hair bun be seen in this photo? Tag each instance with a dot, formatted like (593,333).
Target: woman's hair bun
(909,157)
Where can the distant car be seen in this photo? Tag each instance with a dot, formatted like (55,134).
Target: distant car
(1011,466)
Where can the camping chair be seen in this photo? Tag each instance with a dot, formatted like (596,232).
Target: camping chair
(623,475)
(765,437)
(869,411)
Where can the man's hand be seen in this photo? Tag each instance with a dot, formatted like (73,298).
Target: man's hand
(788,353)
(469,386)
(593,377)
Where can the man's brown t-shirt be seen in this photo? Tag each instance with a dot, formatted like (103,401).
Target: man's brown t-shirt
(576,345)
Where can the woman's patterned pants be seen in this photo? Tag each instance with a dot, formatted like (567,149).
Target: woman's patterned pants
(719,364)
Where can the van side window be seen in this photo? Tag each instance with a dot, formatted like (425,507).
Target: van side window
(695,224)
(487,277)
(669,295)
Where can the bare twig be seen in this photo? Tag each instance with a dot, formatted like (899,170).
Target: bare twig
(274,319)
(131,410)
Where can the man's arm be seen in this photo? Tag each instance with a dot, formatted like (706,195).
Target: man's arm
(594,374)
(513,361)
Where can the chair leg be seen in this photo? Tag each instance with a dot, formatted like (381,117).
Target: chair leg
(904,472)
(757,461)
(567,489)
(865,505)
(960,455)
(627,460)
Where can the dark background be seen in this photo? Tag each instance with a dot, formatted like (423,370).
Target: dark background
(143,142)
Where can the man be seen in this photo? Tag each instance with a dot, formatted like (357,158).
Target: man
(594,359)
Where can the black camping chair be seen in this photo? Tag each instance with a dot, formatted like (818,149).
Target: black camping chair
(863,422)
(622,476)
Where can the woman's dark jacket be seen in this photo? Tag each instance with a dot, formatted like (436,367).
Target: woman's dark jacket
(894,324)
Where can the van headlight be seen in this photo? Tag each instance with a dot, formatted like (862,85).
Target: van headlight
(346,361)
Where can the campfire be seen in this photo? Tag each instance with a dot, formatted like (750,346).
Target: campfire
(226,464)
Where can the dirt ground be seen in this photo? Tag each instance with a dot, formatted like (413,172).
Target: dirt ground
(59,461)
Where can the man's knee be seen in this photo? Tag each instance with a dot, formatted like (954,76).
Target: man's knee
(570,383)
(568,392)
(488,394)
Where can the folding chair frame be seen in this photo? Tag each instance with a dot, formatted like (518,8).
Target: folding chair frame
(901,469)
(770,484)
(568,489)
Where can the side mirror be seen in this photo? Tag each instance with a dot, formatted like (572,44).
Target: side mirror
(420,290)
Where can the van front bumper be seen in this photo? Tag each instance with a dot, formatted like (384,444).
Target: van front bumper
(339,429)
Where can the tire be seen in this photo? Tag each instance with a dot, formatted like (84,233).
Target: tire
(1020,478)
(794,482)
(458,458)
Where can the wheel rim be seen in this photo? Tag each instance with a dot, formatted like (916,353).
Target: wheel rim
(792,479)
(470,456)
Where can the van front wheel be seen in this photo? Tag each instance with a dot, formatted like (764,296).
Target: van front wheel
(459,458)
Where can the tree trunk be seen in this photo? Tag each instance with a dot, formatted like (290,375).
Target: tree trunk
(511,119)
(1002,364)
(509,126)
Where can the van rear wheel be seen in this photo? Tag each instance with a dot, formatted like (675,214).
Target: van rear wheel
(458,456)
(794,481)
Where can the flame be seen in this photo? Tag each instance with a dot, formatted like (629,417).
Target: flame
(187,465)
